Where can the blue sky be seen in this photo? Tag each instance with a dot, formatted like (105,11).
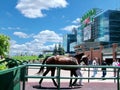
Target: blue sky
(36,25)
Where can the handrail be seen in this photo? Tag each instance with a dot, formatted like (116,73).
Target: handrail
(11,69)
(73,66)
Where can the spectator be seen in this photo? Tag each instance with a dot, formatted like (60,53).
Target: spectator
(104,69)
(118,62)
(115,63)
(95,63)
(89,61)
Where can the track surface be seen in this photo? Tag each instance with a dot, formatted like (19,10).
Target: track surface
(47,84)
(65,86)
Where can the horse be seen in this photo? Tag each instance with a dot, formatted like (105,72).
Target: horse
(62,60)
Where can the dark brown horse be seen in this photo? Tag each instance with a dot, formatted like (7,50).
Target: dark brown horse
(62,60)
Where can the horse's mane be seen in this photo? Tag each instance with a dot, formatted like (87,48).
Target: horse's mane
(78,55)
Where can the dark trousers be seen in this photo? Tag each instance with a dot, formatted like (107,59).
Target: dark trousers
(104,73)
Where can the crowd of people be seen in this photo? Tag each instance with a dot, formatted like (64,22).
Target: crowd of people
(95,62)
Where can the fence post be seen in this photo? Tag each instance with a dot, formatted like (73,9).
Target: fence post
(24,79)
(58,77)
(88,74)
(118,83)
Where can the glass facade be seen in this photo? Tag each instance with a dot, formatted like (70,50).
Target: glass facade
(67,40)
(114,26)
(104,29)
(79,35)
(101,30)
(72,45)
(107,27)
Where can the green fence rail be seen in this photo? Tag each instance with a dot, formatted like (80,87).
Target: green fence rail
(58,77)
(10,78)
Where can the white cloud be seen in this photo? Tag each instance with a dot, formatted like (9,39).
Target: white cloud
(70,28)
(21,34)
(77,21)
(10,28)
(34,8)
(37,45)
(48,36)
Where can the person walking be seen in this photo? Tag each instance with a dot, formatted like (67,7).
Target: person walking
(118,62)
(79,74)
(95,63)
(115,63)
(104,69)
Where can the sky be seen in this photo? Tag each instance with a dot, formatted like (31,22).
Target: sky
(37,25)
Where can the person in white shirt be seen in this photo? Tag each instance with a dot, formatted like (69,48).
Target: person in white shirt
(115,63)
(79,73)
(95,63)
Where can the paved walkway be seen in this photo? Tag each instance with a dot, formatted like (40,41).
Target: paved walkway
(96,84)
(64,86)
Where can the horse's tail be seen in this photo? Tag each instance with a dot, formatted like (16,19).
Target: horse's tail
(42,67)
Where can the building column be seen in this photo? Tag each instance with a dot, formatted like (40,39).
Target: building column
(91,53)
(101,54)
(114,50)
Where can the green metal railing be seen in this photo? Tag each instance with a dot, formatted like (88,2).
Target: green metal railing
(58,77)
(10,78)
(11,74)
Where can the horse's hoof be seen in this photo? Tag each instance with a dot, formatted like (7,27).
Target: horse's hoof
(40,86)
(70,86)
(37,86)
(56,86)
(76,84)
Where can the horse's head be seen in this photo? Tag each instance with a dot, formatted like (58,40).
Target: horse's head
(82,58)
(78,57)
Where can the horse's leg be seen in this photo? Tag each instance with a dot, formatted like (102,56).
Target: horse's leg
(44,74)
(52,74)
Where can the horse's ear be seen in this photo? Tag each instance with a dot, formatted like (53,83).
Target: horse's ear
(81,54)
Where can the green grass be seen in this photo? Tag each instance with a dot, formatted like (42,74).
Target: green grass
(23,58)
(26,58)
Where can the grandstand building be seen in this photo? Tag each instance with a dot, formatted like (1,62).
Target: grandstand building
(97,29)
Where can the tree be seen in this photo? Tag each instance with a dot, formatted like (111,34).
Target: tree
(4,44)
(41,56)
(60,50)
(55,50)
